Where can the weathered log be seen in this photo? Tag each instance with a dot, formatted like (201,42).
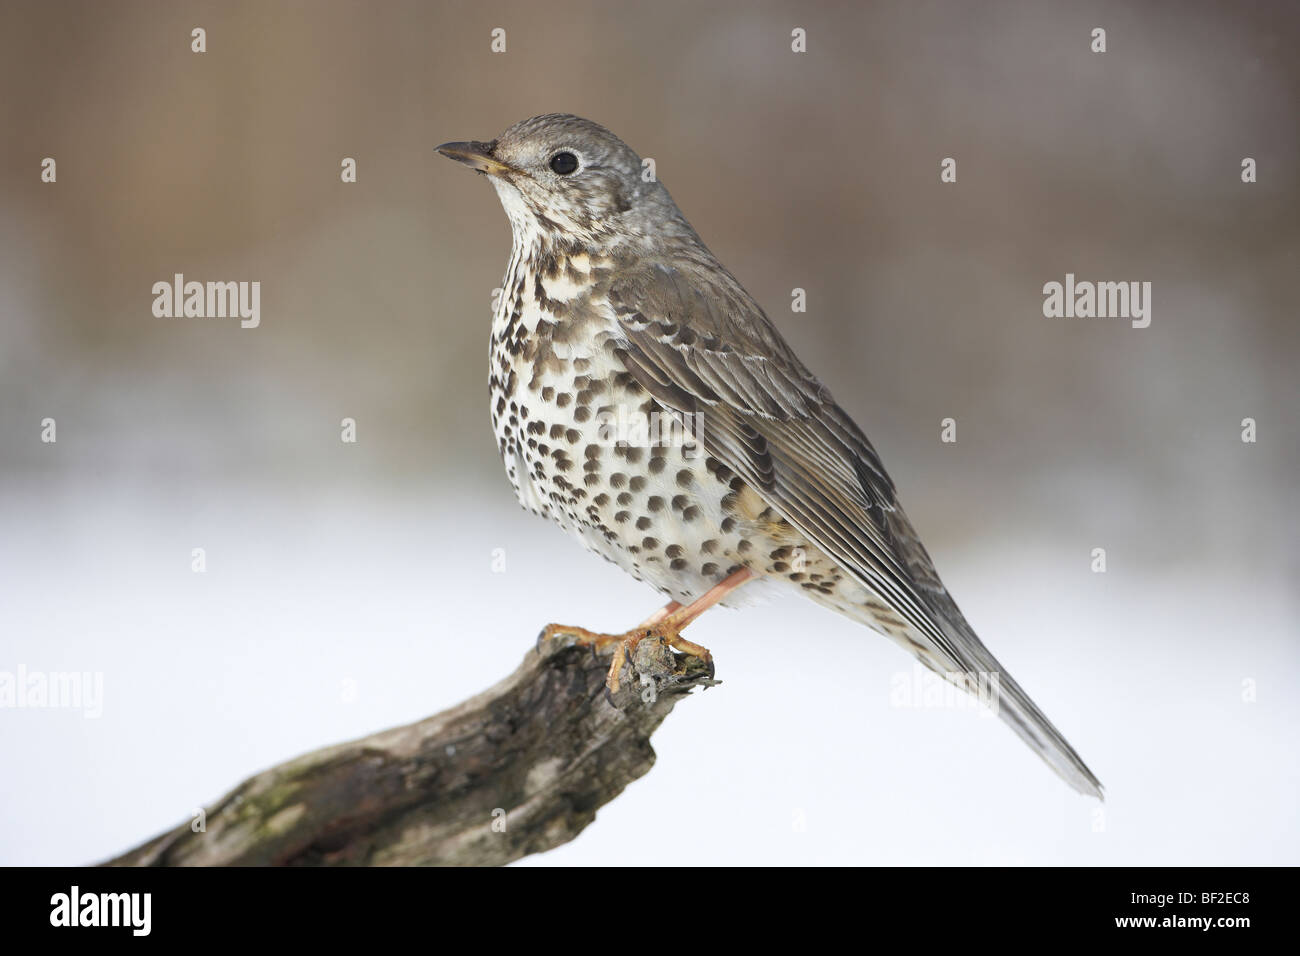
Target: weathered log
(519,769)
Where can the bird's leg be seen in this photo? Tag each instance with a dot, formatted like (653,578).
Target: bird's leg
(669,608)
(685,615)
(666,623)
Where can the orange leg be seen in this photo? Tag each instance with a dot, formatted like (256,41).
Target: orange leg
(666,623)
(670,608)
(685,615)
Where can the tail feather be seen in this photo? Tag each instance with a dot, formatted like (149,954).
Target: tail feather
(1012,704)
(977,667)
(1032,726)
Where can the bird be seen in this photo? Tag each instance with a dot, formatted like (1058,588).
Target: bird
(643,401)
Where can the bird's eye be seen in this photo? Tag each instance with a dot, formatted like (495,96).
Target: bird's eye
(564,163)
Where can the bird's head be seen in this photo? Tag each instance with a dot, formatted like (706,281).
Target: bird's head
(564,178)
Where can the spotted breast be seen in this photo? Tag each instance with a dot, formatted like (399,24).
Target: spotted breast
(588,447)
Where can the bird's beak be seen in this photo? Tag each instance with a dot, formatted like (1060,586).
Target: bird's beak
(477,156)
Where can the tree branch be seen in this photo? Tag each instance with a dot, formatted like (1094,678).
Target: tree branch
(519,769)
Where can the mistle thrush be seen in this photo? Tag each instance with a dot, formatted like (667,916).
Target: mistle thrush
(614,316)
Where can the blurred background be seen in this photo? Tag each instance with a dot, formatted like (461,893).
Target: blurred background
(351,587)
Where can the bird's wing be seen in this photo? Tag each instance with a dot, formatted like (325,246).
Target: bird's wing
(708,349)
(700,345)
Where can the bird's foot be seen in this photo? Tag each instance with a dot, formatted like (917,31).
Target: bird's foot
(664,629)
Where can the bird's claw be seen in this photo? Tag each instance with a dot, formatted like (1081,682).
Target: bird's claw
(624,646)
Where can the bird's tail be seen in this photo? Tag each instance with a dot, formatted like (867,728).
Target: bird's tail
(1022,715)
(1010,702)
(968,664)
